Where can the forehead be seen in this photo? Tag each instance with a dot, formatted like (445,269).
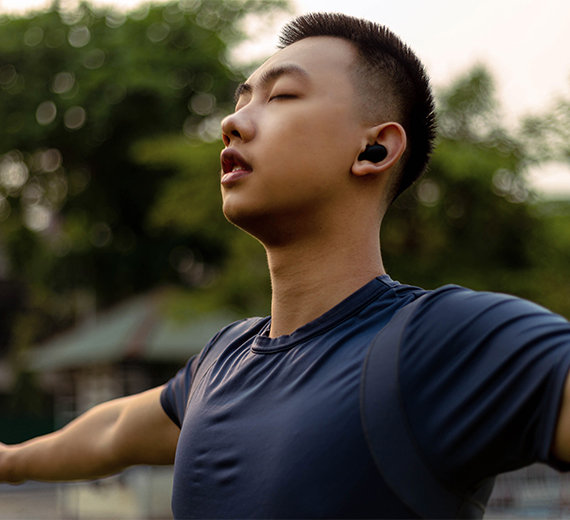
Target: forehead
(320,57)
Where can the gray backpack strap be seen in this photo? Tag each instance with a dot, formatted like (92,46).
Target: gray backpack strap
(391,443)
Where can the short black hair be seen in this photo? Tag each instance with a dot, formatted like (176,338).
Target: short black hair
(388,70)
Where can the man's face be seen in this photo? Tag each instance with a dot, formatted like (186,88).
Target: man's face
(292,139)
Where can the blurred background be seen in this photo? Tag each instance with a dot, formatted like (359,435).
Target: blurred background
(116,263)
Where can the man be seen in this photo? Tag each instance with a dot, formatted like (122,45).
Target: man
(305,413)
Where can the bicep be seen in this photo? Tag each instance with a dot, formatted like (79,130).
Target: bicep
(143,432)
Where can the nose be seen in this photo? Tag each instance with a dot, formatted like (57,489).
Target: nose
(237,126)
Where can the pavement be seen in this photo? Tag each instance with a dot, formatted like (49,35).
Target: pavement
(140,493)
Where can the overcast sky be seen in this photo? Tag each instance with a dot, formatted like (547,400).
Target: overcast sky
(525,43)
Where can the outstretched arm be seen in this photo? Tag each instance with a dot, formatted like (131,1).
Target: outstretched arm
(104,440)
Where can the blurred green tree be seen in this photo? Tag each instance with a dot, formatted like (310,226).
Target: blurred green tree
(77,90)
(473,220)
(109,153)
(547,136)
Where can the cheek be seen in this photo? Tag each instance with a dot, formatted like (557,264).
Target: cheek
(314,140)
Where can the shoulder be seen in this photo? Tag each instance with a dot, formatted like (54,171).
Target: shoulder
(176,391)
(454,316)
(459,301)
(453,327)
(239,328)
(481,375)
(237,331)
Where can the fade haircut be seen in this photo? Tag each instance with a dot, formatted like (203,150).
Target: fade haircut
(391,78)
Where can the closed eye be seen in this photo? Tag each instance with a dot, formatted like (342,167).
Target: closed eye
(282,96)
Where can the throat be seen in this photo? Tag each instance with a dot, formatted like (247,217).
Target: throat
(303,291)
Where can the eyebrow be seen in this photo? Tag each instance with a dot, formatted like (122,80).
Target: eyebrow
(271,75)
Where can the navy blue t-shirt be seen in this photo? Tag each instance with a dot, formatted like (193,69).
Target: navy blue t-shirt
(271,427)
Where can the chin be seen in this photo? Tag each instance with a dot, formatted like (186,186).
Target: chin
(259,225)
(241,218)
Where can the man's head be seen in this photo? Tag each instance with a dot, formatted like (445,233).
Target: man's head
(292,164)
(389,78)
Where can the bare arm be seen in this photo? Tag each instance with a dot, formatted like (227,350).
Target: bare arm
(105,440)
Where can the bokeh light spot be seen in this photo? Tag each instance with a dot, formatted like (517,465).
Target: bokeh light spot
(46,113)
(37,218)
(203,104)
(62,82)
(8,75)
(74,118)
(157,32)
(33,36)
(428,192)
(94,59)
(48,160)
(13,171)
(100,234)
(79,36)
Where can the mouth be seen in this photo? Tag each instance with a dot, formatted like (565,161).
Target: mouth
(234,166)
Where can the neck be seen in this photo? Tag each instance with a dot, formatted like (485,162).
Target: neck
(309,277)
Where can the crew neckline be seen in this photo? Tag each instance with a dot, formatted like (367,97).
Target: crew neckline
(351,305)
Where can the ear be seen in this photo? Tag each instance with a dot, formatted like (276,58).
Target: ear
(393,137)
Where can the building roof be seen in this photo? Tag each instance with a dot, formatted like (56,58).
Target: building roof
(161,326)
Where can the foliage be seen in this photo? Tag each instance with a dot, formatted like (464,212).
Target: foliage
(547,136)
(238,278)
(78,90)
(109,161)
(473,220)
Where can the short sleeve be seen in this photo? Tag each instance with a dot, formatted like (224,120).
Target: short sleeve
(481,379)
(174,395)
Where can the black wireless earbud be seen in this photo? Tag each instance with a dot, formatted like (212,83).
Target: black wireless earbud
(373,153)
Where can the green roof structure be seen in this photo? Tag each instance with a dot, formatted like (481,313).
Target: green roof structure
(162,326)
